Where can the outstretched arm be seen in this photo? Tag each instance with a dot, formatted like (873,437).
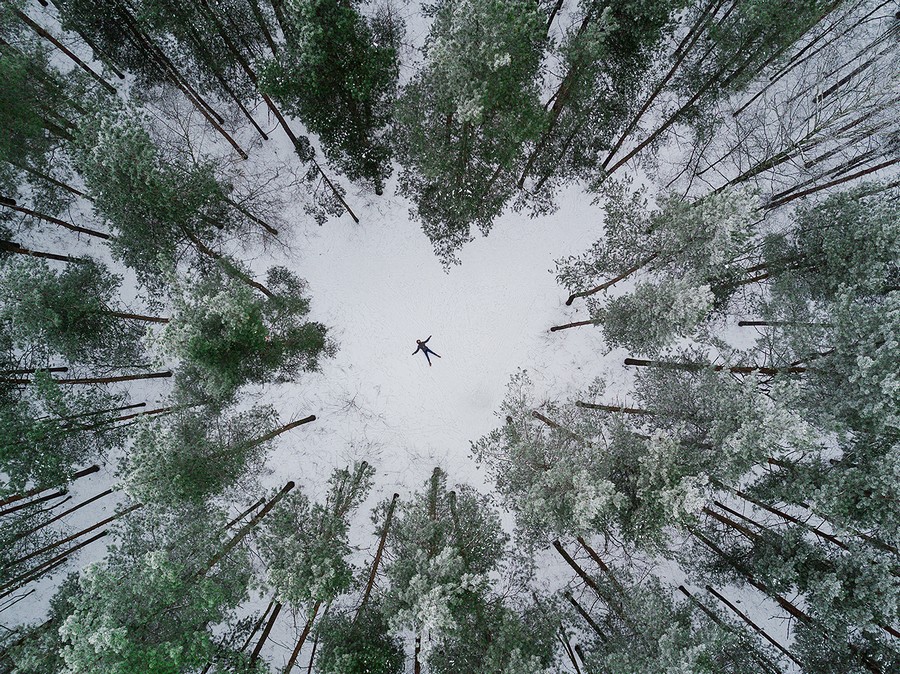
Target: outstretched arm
(426,341)
(416,351)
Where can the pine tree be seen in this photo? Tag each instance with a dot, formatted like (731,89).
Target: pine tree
(161,619)
(337,72)
(216,317)
(361,646)
(304,545)
(49,429)
(196,454)
(69,313)
(442,546)
(158,206)
(462,120)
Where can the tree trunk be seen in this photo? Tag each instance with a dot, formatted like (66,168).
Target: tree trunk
(675,116)
(137,317)
(97,380)
(612,282)
(244,514)
(59,45)
(614,605)
(46,178)
(833,183)
(312,656)
(12,247)
(37,490)
(77,534)
(552,424)
(263,26)
(603,567)
(172,74)
(584,614)
(244,530)
(764,663)
(552,16)
(45,567)
(34,370)
(750,535)
(756,628)
(227,266)
(564,640)
(374,571)
(698,367)
(157,411)
(13,603)
(577,324)
(559,98)
(302,639)
(613,408)
(265,635)
(11,204)
(262,223)
(198,42)
(42,499)
(682,51)
(417,667)
(65,513)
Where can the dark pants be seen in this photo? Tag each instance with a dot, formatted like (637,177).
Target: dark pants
(427,351)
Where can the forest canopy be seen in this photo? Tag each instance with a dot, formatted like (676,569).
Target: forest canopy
(724,500)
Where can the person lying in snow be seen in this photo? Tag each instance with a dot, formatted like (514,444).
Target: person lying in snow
(424,349)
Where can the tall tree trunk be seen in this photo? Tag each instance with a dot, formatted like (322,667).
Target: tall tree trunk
(417,667)
(312,656)
(72,537)
(374,570)
(764,663)
(220,78)
(41,499)
(45,177)
(552,424)
(11,204)
(794,62)
(12,603)
(591,583)
(243,514)
(262,223)
(12,247)
(37,490)
(65,513)
(833,183)
(697,367)
(34,370)
(613,408)
(137,317)
(603,567)
(680,53)
(576,324)
(263,26)
(97,380)
(756,628)
(59,45)
(244,530)
(607,284)
(45,567)
(560,99)
(226,265)
(172,74)
(584,614)
(564,640)
(265,635)
(302,638)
